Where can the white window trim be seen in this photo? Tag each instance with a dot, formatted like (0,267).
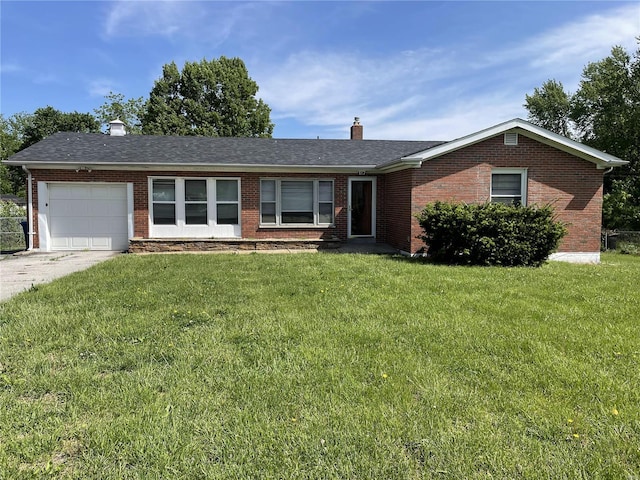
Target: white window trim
(183,230)
(523,183)
(316,203)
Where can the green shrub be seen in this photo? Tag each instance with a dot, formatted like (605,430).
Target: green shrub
(489,233)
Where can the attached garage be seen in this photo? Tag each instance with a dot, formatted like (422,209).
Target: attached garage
(84,216)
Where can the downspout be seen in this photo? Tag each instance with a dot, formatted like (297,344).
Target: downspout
(30,232)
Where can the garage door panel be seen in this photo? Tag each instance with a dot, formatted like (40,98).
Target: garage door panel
(69,192)
(88,216)
(68,207)
(60,243)
(69,226)
(80,243)
(107,192)
(108,208)
(106,226)
(100,243)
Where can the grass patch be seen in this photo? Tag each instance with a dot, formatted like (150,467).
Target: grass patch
(323,366)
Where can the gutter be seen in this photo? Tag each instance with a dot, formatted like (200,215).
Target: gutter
(30,232)
(239,168)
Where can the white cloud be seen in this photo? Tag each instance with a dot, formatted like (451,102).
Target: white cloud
(429,94)
(47,78)
(100,87)
(195,21)
(324,89)
(129,18)
(568,48)
(10,68)
(457,119)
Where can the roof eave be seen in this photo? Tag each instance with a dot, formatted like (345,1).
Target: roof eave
(193,167)
(601,159)
(401,164)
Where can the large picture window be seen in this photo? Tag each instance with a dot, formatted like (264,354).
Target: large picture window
(198,207)
(509,186)
(296,202)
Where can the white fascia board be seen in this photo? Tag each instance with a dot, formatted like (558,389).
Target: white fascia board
(530,130)
(240,168)
(402,164)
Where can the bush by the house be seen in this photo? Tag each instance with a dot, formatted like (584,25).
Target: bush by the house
(489,233)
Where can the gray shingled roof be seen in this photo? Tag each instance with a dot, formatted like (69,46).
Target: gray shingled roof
(99,149)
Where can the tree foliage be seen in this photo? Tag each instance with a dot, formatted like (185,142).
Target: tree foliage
(47,121)
(214,98)
(11,138)
(22,130)
(603,113)
(550,107)
(117,107)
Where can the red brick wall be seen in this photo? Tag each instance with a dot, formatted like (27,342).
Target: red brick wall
(397,206)
(250,192)
(572,185)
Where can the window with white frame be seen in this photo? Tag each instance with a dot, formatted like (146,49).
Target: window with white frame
(509,186)
(164,202)
(227,202)
(195,202)
(194,205)
(296,202)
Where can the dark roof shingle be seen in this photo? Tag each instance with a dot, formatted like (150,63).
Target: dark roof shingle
(100,149)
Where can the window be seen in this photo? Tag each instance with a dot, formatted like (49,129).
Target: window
(195,202)
(194,207)
(227,202)
(164,202)
(296,202)
(509,186)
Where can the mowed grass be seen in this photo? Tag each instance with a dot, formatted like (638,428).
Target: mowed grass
(323,366)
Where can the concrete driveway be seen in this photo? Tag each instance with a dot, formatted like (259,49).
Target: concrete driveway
(20,271)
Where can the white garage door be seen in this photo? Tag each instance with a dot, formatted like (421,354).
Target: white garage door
(88,216)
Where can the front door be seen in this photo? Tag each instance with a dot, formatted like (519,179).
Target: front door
(362,208)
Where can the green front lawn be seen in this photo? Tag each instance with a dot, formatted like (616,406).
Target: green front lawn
(323,366)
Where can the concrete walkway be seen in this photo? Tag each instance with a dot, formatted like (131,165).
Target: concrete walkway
(20,271)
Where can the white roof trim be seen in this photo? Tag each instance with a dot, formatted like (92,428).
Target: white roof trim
(527,129)
(196,167)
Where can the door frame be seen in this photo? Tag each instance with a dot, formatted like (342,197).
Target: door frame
(373,205)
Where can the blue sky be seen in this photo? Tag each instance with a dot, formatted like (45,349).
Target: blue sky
(410,70)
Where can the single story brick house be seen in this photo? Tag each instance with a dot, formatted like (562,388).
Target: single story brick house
(153,193)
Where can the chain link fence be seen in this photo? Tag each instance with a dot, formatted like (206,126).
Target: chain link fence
(13,234)
(621,241)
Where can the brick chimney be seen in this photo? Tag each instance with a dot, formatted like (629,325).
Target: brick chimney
(356,129)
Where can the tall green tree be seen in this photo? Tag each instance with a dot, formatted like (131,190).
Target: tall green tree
(214,98)
(22,130)
(603,113)
(128,110)
(11,138)
(550,107)
(47,121)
